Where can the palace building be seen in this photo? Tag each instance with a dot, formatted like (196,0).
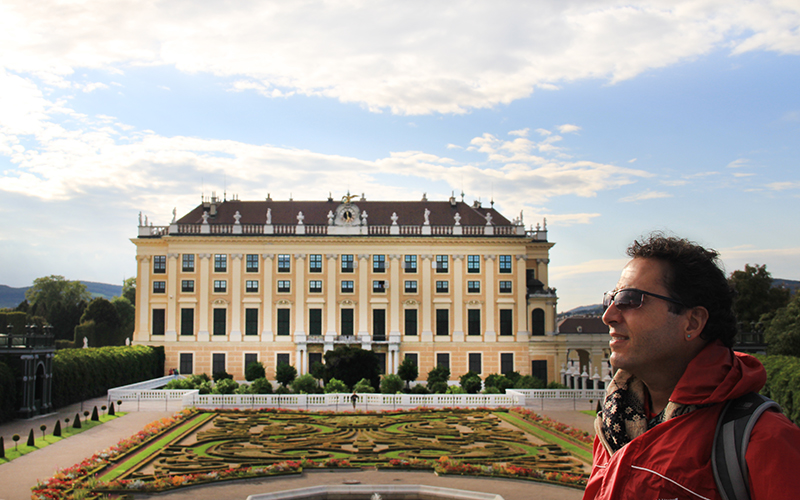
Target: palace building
(442,282)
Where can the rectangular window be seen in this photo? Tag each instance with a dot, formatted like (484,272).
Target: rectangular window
(443,359)
(251,286)
(442,322)
(251,321)
(315,263)
(217,362)
(475,362)
(473,263)
(284,286)
(187,261)
(381,362)
(187,321)
(283,321)
(158,321)
(159,264)
(347,263)
(473,287)
(159,287)
(250,357)
(505,264)
(220,286)
(410,263)
(314,357)
(378,263)
(442,286)
(442,263)
(186,366)
(506,322)
(315,286)
(505,286)
(220,319)
(315,321)
(411,286)
(411,321)
(506,362)
(220,263)
(284,263)
(251,263)
(473,322)
(379,324)
(283,358)
(347,286)
(414,357)
(539,370)
(187,286)
(347,322)
(378,286)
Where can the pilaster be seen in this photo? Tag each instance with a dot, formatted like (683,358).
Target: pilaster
(267,334)
(205,277)
(426,335)
(236,297)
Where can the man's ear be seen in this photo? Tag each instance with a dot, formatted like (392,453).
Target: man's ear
(697,319)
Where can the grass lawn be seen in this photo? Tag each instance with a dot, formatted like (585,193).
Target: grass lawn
(583,453)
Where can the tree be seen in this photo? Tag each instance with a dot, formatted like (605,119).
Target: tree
(529,382)
(335,385)
(351,364)
(500,382)
(305,384)
(391,384)
(783,331)
(254,371)
(755,295)
(470,382)
(363,386)
(107,324)
(60,301)
(437,379)
(285,374)
(127,315)
(129,290)
(408,371)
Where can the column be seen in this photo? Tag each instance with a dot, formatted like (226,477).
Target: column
(171,333)
(520,294)
(331,287)
(143,299)
(267,334)
(236,297)
(458,298)
(427,299)
(394,297)
(363,297)
(299,297)
(301,359)
(491,334)
(204,275)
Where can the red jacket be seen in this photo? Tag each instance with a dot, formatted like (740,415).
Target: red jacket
(673,459)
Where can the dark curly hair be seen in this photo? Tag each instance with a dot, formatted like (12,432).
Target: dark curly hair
(694,277)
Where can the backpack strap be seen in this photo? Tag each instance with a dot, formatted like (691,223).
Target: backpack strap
(731,437)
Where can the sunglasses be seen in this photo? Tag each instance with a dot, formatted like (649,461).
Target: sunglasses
(631,298)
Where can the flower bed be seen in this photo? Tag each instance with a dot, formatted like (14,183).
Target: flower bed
(581,437)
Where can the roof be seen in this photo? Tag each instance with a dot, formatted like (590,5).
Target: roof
(582,324)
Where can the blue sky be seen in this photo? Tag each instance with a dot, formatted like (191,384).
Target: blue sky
(609,119)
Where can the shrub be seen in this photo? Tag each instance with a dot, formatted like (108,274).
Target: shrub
(556,385)
(225,386)
(391,384)
(455,389)
(285,374)
(408,370)
(261,386)
(282,389)
(470,382)
(501,382)
(363,386)
(437,387)
(783,383)
(305,384)
(529,382)
(420,389)
(254,370)
(438,374)
(223,375)
(335,386)
(490,389)
(8,393)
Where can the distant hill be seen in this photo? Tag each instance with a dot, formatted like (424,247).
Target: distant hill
(11,297)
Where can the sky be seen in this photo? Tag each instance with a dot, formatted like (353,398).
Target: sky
(608,119)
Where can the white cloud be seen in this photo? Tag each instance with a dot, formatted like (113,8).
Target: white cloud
(520,133)
(568,129)
(632,160)
(646,195)
(742,174)
(783,186)
(588,267)
(741,162)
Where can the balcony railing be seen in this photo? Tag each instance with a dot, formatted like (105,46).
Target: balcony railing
(21,341)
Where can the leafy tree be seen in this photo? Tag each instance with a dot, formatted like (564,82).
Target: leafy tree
(420,389)
(501,382)
(363,386)
(106,321)
(439,374)
(127,315)
(254,371)
(261,386)
(408,371)
(225,386)
(470,382)
(529,382)
(305,384)
(755,295)
(129,290)
(217,376)
(351,364)
(317,370)
(391,384)
(335,385)
(285,374)
(60,301)
(783,331)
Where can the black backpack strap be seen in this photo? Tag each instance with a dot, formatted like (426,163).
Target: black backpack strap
(731,437)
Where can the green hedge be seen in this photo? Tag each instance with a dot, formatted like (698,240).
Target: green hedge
(783,383)
(87,373)
(8,393)
(15,318)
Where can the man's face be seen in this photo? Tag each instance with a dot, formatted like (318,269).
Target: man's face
(648,338)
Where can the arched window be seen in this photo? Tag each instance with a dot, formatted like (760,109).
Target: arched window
(537,322)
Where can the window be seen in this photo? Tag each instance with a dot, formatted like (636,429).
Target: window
(505,287)
(506,362)
(378,263)
(443,359)
(186,366)
(475,362)
(378,286)
(250,357)
(505,264)
(347,263)
(159,287)
(347,322)
(158,321)
(315,286)
(442,322)
(251,286)
(284,263)
(414,357)
(284,286)
(187,264)
(220,263)
(347,286)
(506,322)
(251,321)
(473,263)
(410,263)
(442,264)
(315,263)
(220,328)
(381,362)
(217,362)
(379,324)
(539,369)
(473,287)
(411,286)
(187,286)
(283,358)
(315,321)
(473,322)
(411,321)
(159,264)
(442,286)
(187,322)
(537,322)
(220,286)
(251,263)
(314,357)
(283,321)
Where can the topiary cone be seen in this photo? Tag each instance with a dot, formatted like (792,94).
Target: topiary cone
(76,424)
(57,429)
(2,448)
(111,409)
(31,439)
(95,416)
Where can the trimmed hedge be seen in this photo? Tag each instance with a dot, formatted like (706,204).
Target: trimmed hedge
(15,318)
(783,383)
(79,374)
(8,393)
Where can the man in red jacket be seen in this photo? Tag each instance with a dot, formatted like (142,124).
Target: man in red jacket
(672,327)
